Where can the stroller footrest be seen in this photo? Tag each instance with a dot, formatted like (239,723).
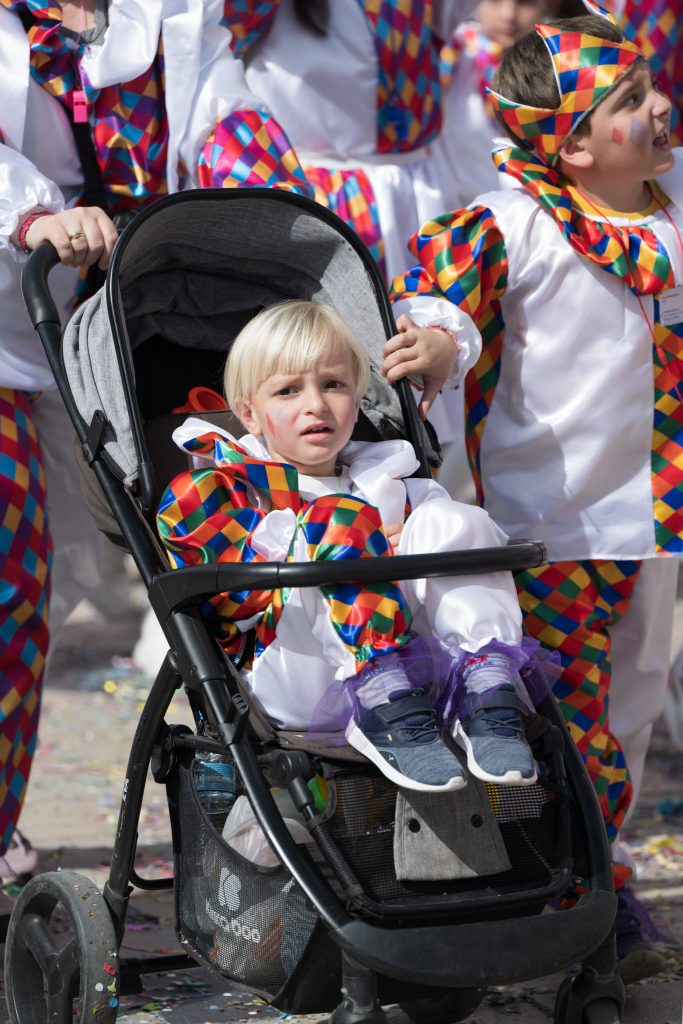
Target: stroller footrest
(484,953)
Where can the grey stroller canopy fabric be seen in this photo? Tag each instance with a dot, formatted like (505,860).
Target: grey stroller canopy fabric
(195,265)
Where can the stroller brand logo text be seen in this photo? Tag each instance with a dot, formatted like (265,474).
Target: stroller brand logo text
(231,925)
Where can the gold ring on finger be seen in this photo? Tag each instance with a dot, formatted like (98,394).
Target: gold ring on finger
(76,234)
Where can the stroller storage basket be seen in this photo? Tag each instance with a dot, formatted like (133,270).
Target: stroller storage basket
(253,923)
(250,923)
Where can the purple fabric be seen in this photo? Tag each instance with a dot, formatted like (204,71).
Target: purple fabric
(429,663)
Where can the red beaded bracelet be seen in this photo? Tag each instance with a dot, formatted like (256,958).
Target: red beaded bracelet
(26,224)
(451,334)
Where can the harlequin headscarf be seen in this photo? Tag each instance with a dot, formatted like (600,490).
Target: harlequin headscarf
(586,69)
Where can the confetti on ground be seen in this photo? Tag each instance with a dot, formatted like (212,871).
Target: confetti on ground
(91,710)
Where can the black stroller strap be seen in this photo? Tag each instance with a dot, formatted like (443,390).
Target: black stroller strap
(94,193)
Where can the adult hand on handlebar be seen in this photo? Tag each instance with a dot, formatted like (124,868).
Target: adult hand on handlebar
(82,236)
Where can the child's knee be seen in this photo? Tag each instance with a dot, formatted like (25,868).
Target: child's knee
(342,526)
(446,525)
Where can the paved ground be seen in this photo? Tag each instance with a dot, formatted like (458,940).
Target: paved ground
(90,711)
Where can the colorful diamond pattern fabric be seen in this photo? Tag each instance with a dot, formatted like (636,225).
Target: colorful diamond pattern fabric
(205,516)
(569,607)
(25,560)
(128,121)
(247,21)
(350,195)
(586,69)
(249,148)
(667,443)
(409,90)
(463,257)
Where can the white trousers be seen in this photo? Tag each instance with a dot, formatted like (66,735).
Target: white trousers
(641,648)
(290,678)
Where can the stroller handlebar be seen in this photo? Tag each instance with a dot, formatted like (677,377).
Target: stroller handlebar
(34,287)
(193,585)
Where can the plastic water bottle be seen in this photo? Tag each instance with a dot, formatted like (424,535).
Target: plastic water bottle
(216,786)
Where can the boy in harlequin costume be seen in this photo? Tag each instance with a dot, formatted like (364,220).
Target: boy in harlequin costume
(574,413)
(359,658)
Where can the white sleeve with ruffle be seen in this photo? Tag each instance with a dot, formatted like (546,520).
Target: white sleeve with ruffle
(22,189)
(431,311)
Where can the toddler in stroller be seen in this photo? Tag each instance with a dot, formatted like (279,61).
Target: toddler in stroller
(295,488)
(334,913)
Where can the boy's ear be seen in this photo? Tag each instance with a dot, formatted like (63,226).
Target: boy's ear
(576,153)
(245,413)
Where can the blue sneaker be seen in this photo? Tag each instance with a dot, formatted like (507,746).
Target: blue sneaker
(492,735)
(402,738)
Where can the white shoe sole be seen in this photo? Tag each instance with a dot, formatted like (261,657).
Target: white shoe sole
(360,742)
(512,778)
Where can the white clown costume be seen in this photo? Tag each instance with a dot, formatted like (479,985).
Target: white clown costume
(298,640)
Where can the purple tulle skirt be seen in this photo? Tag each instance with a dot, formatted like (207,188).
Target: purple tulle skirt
(438,668)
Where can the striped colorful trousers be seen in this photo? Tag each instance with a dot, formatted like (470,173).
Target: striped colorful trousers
(569,607)
(25,560)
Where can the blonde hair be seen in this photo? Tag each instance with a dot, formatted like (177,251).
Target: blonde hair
(289,337)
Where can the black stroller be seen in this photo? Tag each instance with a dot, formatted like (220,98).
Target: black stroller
(331,914)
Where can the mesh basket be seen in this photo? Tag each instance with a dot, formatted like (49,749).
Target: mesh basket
(252,924)
(533,821)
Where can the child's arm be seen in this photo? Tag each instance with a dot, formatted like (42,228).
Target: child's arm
(461,274)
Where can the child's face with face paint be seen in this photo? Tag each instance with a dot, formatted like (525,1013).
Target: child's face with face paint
(629,130)
(306,418)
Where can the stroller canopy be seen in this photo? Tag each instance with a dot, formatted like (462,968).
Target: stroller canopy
(186,275)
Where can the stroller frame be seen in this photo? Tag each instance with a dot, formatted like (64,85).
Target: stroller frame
(433,957)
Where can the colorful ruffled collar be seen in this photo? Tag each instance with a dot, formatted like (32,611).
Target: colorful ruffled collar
(632,252)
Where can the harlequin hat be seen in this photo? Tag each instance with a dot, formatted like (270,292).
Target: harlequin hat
(586,69)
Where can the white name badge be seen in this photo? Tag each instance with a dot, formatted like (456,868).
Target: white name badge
(671,306)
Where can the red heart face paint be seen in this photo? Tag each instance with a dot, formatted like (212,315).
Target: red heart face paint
(618,137)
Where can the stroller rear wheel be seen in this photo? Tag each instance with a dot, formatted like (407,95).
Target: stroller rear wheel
(448,1007)
(61,953)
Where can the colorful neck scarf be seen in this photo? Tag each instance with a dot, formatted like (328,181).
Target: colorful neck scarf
(632,252)
(586,69)
(206,515)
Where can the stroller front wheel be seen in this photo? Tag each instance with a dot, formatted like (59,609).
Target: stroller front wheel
(61,953)
(584,1009)
(447,1007)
